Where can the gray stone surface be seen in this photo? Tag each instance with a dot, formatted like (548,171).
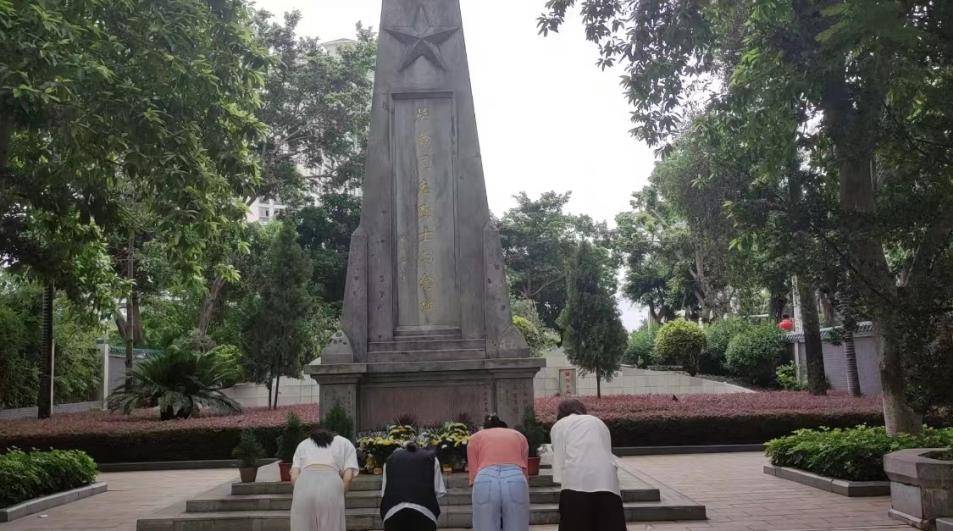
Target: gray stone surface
(944,524)
(264,505)
(921,487)
(426,306)
(851,489)
(36,505)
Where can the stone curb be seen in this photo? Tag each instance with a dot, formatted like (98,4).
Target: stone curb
(174,465)
(851,489)
(628,451)
(36,505)
(944,524)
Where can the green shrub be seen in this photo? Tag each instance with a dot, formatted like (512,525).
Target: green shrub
(787,377)
(641,347)
(178,382)
(854,454)
(756,354)
(294,432)
(680,342)
(24,476)
(249,450)
(339,422)
(533,431)
(717,337)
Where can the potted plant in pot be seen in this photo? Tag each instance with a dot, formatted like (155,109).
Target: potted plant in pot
(248,452)
(536,436)
(293,433)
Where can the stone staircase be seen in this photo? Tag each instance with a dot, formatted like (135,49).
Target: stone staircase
(264,505)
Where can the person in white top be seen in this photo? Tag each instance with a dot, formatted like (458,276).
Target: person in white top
(586,469)
(322,470)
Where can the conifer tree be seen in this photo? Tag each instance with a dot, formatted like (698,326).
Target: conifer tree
(277,331)
(593,335)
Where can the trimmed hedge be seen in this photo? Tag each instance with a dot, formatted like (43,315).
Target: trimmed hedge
(855,454)
(744,418)
(141,437)
(28,475)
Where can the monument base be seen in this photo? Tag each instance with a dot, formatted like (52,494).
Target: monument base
(374,394)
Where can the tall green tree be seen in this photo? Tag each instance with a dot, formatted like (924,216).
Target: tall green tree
(862,87)
(539,238)
(316,104)
(593,335)
(277,330)
(114,109)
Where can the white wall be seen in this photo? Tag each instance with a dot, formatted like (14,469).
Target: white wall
(630,381)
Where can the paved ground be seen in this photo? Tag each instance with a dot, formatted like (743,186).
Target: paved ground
(738,495)
(130,495)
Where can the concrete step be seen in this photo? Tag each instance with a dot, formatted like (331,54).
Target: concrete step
(372,483)
(405,356)
(434,331)
(426,343)
(371,499)
(368,518)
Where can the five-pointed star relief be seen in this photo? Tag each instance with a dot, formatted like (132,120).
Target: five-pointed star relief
(422,39)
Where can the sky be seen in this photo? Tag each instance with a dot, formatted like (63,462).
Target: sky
(548,117)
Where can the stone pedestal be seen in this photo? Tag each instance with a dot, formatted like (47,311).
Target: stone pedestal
(426,325)
(921,488)
(377,393)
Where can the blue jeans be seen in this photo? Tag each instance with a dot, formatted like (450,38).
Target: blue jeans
(501,499)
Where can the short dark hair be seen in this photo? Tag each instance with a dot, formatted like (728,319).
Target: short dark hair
(570,406)
(322,437)
(493,421)
(786,316)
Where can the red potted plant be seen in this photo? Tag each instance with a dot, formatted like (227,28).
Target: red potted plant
(536,436)
(292,435)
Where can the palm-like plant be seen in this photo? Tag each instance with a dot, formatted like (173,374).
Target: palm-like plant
(177,381)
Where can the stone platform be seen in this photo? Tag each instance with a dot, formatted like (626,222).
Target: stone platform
(264,505)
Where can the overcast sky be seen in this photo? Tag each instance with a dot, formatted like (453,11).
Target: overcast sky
(549,119)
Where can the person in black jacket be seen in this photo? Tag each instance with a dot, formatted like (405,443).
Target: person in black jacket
(411,485)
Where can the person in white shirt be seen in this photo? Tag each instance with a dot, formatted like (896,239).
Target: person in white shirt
(411,484)
(586,469)
(322,470)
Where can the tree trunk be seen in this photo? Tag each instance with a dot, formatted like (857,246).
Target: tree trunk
(130,307)
(44,399)
(209,304)
(850,357)
(899,417)
(277,381)
(777,303)
(813,345)
(852,121)
(598,386)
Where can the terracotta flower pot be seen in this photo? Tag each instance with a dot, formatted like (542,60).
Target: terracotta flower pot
(532,466)
(248,474)
(285,469)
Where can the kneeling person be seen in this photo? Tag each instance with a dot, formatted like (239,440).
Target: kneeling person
(411,485)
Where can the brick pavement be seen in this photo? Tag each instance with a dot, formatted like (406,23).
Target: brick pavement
(130,495)
(738,495)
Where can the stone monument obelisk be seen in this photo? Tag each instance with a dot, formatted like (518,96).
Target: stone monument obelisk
(426,326)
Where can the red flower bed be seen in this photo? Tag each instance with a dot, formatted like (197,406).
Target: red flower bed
(633,421)
(114,438)
(633,407)
(147,421)
(741,418)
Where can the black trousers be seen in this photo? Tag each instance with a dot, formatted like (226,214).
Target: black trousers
(409,520)
(590,511)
